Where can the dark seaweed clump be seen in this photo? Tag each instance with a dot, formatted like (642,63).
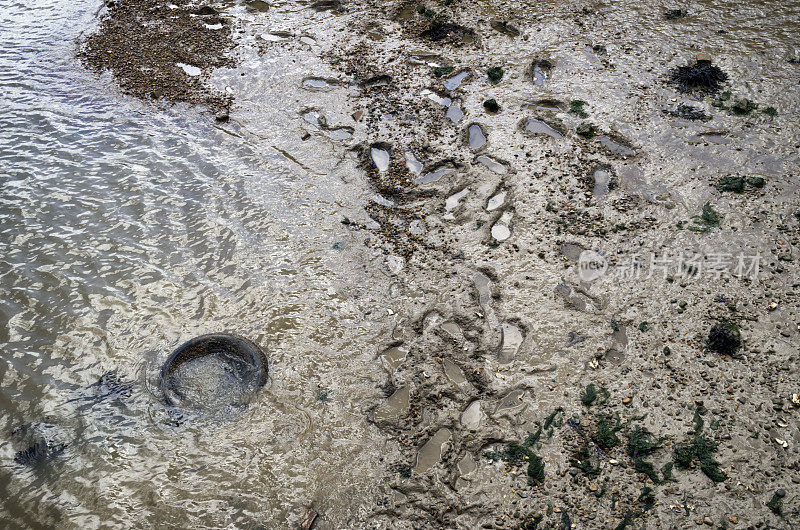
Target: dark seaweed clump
(591,394)
(724,338)
(441,30)
(518,454)
(641,443)
(495,74)
(702,76)
(739,184)
(699,449)
(605,436)
(491,105)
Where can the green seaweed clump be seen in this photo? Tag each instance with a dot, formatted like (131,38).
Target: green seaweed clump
(707,220)
(517,454)
(700,449)
(443,70)
(491,105)
(743,107)
(731,183)
(606,434)
(495,74)
(641,443)
(535,470)
(770,111)
(591,394)
(582,460)
(586,130)
(576,108)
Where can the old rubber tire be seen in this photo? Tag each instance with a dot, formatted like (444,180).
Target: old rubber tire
(234,347)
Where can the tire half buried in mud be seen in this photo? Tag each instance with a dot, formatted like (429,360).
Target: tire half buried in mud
(213,373)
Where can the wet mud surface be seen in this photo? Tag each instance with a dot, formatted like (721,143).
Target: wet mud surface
(515,388)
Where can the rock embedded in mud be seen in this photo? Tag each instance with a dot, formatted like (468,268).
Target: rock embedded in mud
(725,338)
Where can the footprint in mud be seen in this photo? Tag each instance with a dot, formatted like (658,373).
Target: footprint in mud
(476,138)
(603,181)
(380,157)
(540,71)
(453,202)
(455,374)
(511,404)
(319,84)
(572,301)
(511,343)
(472,417)
(537,127)
(393,357)
(435,175)
(430,453)
(619,341)
(276,36)
(452,83)
(318,120)
(454,111)
(502,26)
(496,201)
(444,101)
(492,164)
(413,164)
(501,230)
(394,406)
(616,145)
(483,287)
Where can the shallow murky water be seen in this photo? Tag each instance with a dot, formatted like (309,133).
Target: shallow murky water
(126,230)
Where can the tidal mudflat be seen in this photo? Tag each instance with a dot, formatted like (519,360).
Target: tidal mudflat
(514,266)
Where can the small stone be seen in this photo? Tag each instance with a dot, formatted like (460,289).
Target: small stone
(707,520)
(780,493)
(733,519)
(592,487)
(626,401)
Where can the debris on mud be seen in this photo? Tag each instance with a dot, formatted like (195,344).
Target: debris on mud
(700,76)
(688,112)
(161,51)
(724,338)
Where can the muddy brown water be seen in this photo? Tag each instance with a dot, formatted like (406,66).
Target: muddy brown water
(126,229)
